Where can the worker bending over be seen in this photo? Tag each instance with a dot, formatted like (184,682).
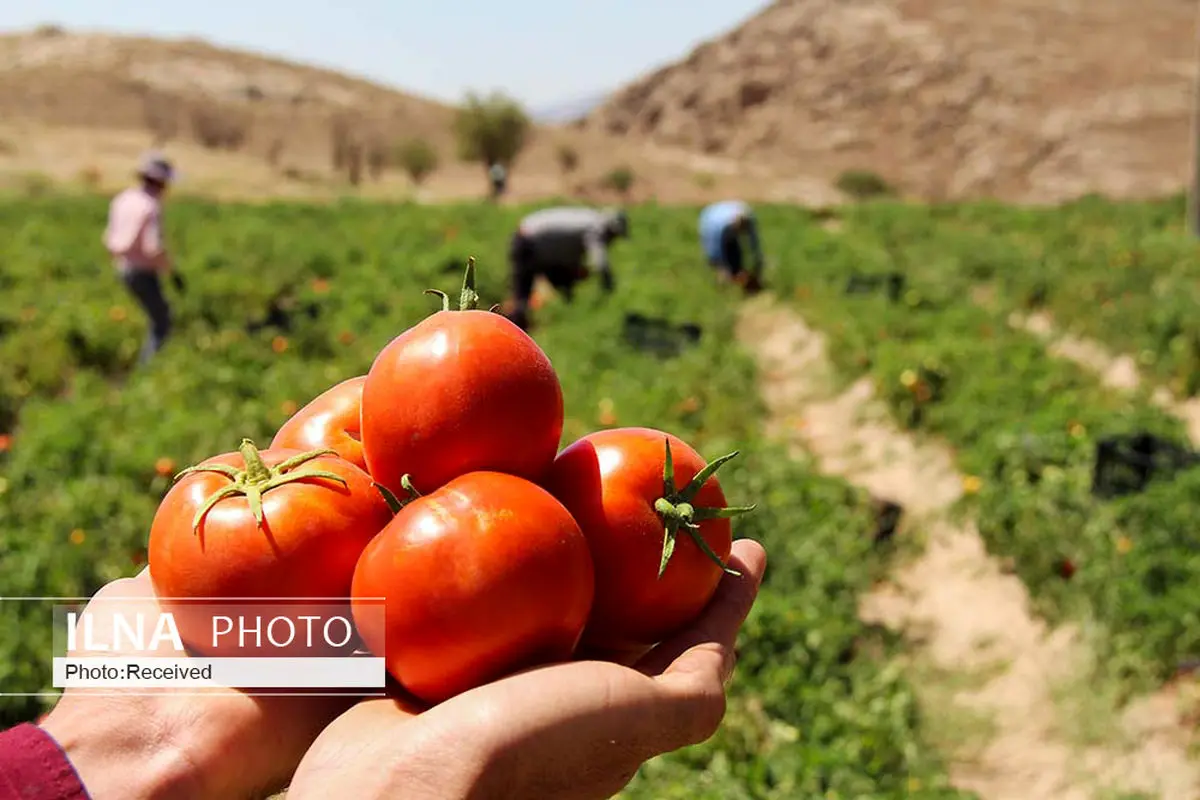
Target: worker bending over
(558,243)
(723,226)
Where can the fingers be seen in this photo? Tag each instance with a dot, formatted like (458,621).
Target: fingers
(708,644)
(695,666)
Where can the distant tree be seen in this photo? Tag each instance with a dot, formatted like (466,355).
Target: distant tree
(491,130)
(417,158)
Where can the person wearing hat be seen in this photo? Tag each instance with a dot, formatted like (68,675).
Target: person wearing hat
(723,226)
(498,177)
(134,238)
(556,243)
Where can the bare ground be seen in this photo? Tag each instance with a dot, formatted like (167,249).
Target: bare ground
(979,654)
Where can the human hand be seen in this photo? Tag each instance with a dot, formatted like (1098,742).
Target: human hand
(574,731)
(223,744)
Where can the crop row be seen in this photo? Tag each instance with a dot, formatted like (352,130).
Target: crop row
(1026,426)
(819,706)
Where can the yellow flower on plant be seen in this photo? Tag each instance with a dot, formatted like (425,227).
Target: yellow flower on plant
(1124,545)
(1077,430)
(971,484)
(908,379)
(608,414)
(77,536)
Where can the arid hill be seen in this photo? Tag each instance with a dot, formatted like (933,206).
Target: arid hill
(1026,100)
(80,107)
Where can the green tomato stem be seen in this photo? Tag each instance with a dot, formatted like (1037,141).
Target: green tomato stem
(256,479)
(468,299)
(677,512)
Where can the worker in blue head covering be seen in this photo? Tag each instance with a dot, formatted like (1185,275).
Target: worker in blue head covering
(724,228)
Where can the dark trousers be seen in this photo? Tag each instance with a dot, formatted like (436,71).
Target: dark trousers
(146,288)
(731,251)
(526,268)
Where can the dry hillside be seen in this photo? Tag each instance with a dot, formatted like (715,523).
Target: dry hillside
(1028,100)
(82,106)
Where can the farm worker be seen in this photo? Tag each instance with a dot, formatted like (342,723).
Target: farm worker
(498,176)
(579,729)
(723,225)
(134,237)
(554,243)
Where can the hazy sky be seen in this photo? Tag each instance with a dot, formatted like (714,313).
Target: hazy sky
(541,52)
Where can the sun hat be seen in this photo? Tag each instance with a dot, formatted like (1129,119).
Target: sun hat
(156,167)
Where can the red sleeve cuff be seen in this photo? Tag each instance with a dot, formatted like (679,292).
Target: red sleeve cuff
(34,767)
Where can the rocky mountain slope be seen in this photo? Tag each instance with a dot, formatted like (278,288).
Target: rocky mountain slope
(1027,100)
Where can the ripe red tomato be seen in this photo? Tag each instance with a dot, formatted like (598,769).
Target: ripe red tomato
(275,524)
(462,391)
(331,420)
(659,551)
(483,577)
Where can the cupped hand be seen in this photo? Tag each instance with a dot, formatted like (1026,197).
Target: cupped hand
(573,731)
(224,743)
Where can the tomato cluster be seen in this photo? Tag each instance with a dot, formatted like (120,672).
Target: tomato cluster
(435,483)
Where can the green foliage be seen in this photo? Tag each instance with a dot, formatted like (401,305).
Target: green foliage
(1024,423)
(819,706)
(862,184)
(418,159)
(491,130)
(620,179)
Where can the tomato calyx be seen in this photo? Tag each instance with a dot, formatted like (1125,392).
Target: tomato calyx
(468,299)
(256,478)
(677,512)
(395,503)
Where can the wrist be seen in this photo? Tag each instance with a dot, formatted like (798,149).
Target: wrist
(119,751)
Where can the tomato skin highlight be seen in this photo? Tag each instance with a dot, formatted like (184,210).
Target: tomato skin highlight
(609,481)
(332,420)
(313,533)
(461,391)
(486,576)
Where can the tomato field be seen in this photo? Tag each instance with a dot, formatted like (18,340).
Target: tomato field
(284,301)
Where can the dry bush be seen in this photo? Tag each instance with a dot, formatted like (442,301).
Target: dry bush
(219,128)
(275,151)
(377,157)
(341,135)
(90,178)
(161,118)
(357,146)
(568,159)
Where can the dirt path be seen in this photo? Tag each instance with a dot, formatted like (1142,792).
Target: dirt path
(992,676)
(1115,371)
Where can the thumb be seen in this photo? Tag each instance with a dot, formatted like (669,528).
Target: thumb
(706,647)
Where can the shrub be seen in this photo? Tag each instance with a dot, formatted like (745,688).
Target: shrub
(863,184)
(417,158)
